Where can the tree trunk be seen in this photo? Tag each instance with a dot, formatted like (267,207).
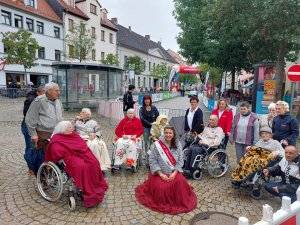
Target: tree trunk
(232,77)
(280,64)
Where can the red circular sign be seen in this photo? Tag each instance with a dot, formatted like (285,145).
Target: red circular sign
(294,73)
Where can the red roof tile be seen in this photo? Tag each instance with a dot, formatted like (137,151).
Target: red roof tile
(107,23)
(73,10)
(43,9)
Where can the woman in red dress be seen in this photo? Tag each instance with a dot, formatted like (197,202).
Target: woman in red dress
(166,190)
(81,164)
(225,115)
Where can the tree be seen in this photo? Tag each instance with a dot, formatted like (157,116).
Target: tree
(138,62)
(160,71)
(20,48)
(215,74)
(111,59)
(80,42)
(188,78)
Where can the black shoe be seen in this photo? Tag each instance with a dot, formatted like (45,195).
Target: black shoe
(235,184)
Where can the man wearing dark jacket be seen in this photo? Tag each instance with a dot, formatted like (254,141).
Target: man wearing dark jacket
(29,99)
(288,169)
(128,102)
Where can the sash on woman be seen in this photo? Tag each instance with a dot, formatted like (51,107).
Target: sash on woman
(165,154)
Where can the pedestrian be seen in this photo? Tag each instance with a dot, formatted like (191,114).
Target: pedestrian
(285,127)
(28,144)
(288,170)
(245,130)
(91,89)
(267,119)
(128,102)
(44,113)
(225,115)
(148,114)
(194,117)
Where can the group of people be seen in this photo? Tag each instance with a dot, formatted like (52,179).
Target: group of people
(80,145)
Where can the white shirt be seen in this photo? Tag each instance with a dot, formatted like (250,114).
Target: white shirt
(190,117)
(220,113)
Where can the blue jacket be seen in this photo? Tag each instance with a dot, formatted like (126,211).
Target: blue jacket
(285,127)
(154,114)
(197,124)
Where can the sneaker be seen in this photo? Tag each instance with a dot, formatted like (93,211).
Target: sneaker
(31,172)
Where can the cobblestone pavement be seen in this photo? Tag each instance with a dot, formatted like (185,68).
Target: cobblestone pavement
(21,203)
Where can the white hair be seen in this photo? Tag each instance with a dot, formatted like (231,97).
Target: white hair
(130,110)
(61,127)
(50,86)
(284,105)
(88,111)
(272,105)
(215,117)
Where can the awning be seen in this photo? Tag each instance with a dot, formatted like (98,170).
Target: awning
(248,85)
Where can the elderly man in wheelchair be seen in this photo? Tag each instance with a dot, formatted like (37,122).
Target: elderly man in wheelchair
(265,153)
(206,152)
(69,154)
(127,144)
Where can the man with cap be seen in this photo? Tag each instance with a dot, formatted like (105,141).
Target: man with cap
(288,169)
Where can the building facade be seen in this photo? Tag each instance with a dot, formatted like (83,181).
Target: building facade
(46,27)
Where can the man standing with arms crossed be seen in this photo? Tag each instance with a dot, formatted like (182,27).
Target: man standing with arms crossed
(44,113)
(128,102)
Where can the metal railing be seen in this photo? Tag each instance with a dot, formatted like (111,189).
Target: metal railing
(14,92)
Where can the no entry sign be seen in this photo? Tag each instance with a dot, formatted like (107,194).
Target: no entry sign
(294,73)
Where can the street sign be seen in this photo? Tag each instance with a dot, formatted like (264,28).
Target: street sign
(294,73)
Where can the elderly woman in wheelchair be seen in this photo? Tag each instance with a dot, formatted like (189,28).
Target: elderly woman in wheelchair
(266,152)
(206,152)
(127,142)
(68,151)
(90,131)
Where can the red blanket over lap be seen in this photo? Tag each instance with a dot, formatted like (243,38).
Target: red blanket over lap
(81,165)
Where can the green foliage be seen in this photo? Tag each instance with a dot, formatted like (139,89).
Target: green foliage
(188,79)
(111,59)
(215,74)
(160,71)
(20,48)
(138,62)
(81,41)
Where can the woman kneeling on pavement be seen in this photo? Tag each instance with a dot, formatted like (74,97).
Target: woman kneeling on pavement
(80,163)
(166,190)
(257,157)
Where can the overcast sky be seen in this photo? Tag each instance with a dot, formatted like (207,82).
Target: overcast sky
(153,17)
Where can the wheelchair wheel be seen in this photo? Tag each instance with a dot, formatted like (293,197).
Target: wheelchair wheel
(198,174)
(218,163)
(256,194)
(49,181)
(72,203)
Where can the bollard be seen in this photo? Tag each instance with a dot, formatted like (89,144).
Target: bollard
(298,194)
(243,221)
(267,213)
(286,203)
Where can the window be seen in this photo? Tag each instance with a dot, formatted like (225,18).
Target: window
(18,21)
(144,81)
(94,55)
(56,32)
(144,65)
(71,3)
(102,55)
(139,82)
(32,53)
(111,38)
(71,51)
(71,25)
(153,65)
(125,59)
(93,32)
(57,55)
(82,29)
(41,53)
(102,35)
(149,66)
(39,27)
(93,9)
(6,17)
(31,3)
(5,48)
(29,24)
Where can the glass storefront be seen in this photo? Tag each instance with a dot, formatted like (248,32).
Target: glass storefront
(81,84)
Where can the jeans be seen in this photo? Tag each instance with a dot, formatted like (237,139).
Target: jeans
(146,138)
(240,150)
(269,188)
(28,147)
(194,150)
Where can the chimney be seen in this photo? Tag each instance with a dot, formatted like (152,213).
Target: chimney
(147,36)
(129,28)
(159,42)
(115,20)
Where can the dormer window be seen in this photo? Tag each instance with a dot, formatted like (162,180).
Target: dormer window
(31,3)
(93,9)
(71,3)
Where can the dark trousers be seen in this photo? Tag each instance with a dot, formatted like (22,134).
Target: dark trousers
(28,147)
(194,150)
(269,188)
(226,141)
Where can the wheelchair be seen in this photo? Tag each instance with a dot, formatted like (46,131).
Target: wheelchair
(126,142)
(214,160)
(50,181)
(257,180)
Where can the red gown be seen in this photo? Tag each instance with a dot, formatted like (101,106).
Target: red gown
(81,165)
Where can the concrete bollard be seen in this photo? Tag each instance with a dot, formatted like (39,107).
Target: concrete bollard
(243,221)
(267,213)
(286,203)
